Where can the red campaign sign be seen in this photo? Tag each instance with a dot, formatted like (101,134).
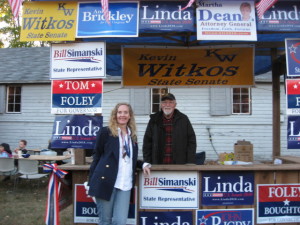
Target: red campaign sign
(279,193)
(85,86)
(293,86)
(81,195)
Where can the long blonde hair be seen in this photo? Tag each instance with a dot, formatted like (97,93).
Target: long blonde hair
(113,123)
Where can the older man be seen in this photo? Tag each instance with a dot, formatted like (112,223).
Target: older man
(169,137)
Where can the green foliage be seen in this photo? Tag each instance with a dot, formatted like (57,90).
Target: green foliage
(10,28)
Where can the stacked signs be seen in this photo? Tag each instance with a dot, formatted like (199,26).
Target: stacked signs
(293,92)
(76,89)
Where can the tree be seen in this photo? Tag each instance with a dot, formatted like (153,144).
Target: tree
(10,29)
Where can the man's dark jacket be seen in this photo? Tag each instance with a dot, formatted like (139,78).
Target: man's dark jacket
(183,138)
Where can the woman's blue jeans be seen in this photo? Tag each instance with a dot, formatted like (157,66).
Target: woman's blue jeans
(114,211)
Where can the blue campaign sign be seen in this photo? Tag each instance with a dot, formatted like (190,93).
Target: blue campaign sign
(292,56)
(293,132)
(283,16)
(75,131)
(225,216)
(228,188)
(123,17)
(159,217)
(157,16)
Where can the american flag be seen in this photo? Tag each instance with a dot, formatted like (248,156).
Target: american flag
(15,6)
(263,6)
(188,5)
(105,10)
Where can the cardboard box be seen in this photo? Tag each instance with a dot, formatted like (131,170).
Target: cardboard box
(243,151)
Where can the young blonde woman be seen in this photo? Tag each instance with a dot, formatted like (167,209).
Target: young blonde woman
(112,172)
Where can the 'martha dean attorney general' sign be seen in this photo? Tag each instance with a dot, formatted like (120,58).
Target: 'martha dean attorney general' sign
(84,60)
(205,66)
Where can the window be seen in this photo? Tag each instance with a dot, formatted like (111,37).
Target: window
(13,99)
(241,101)
(156,94)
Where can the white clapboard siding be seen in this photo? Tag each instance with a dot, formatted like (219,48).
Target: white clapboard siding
(35,122)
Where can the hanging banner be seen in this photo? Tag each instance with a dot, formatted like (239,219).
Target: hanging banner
(283,16)
(75,131)
(85,210)
(225,216)
(49,21)
(160,16)
(207,66)
(227,188)
(293,132)
(226,20)
(292,56)
(78,60)
(278,203)
(169,190)
(76,96)
(123,17)
(293,96)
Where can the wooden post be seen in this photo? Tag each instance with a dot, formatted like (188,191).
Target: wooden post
(276,102)
(79,155)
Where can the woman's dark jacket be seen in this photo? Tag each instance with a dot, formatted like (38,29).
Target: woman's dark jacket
(183,138)
(105,165)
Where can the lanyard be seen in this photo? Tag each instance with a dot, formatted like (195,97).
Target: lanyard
(126,146)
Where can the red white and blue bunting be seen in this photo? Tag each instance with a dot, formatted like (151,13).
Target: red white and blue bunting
(52,207)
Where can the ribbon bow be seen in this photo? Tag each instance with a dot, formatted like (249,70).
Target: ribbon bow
(52,207)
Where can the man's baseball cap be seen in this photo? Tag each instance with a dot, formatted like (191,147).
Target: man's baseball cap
(168,96)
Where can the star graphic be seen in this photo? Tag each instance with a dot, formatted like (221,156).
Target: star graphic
(93,84)
(202,221)
(295,86)
(286,202)
(292,49)
(61,85)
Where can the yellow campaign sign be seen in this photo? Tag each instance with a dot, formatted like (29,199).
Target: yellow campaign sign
(49,21)
(161,67)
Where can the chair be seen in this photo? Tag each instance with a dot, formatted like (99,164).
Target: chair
(7,166)
(200,158)
(29,169)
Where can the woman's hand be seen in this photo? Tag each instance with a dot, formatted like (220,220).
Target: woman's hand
(146,171)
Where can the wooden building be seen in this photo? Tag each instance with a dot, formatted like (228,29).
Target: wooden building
(25,105)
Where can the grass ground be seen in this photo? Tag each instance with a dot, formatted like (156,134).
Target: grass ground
(26,204)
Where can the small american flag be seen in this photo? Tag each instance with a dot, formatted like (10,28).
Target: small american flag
(263,6)
(105,10)
(188,5)
(15,6)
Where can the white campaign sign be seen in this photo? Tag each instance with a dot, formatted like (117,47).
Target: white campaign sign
(78,60)
(170,190)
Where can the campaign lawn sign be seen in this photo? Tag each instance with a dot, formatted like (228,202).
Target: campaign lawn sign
(293,132)
(278,203)
(123,18)
(75,131)
(283,16)
(225,217)
(227,188)
(84,60)
(293,96)
(166,16)
(292,55)
(166,218)
(169,190)
(77,96)
(225,20)
(85,210)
